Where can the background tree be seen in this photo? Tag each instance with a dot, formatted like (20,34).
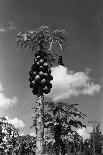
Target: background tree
(40,73)
(8,136)
(97,137)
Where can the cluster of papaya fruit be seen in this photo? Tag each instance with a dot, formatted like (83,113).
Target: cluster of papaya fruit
(40,74)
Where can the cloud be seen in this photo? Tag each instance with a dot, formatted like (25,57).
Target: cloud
(89,129)
(22,134)
(85,132)
(66,84)
(11,26)
(2,29)
(32,134)
(6,102)
(16,122)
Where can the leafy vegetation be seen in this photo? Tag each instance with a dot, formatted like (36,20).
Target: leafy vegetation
(96,140)
(60,136)
(56,124)
(62,119)
(40,74)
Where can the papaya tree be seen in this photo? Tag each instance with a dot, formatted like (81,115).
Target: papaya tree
(40,74)
(62,118)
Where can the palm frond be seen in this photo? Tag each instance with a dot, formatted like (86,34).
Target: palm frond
(33,38)
(43,37)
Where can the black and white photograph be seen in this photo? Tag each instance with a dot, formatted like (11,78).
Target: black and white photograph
(51,77)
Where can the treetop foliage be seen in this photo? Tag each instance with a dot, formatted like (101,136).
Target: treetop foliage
(44,38)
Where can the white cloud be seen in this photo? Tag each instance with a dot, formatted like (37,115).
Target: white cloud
(69,83)
(85,132)
(6,102)
(10,27)
(32,134)
(22,134)
(89,129)
(2,29)
(16,122)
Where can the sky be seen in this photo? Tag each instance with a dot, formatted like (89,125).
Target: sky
(80,81)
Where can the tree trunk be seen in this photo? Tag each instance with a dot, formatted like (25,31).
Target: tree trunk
(39,126)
